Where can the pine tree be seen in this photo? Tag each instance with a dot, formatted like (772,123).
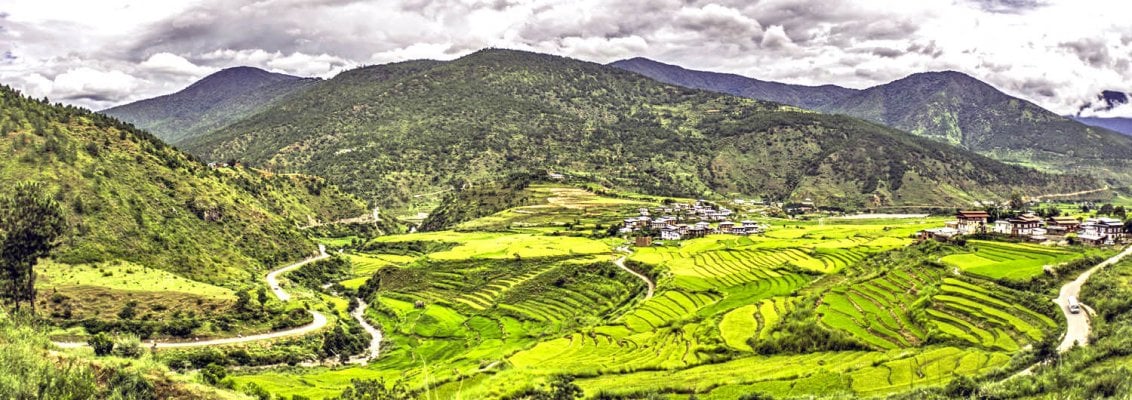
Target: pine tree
(31,224)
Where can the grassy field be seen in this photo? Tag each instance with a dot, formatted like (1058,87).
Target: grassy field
(1014,261)
(482,313)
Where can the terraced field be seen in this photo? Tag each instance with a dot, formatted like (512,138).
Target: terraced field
(879,311)
(1015,261)
(876,310)
(490,314)
(753,321)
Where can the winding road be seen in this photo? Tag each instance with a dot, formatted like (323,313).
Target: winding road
(1077,329)
(319,321)
(652,286)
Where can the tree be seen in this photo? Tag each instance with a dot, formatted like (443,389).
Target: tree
(1016,202)
(213,373)
(1106,209)
(31,224)
(370,389)
(242,300)
(261,295)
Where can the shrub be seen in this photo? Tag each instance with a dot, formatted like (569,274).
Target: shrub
(213,374)
(129,347)
(101,344)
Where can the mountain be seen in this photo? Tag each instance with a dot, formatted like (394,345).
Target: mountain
(1115,124)
(950,107)
(211,103)
(808,97)
(127,196)
(955,108)
(390,132)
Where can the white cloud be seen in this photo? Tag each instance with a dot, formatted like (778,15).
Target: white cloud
(168,63)
(1058,54)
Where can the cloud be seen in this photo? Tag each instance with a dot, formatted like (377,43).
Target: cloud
(168,63)
(1034,49)
(1089,50)
(1008,6)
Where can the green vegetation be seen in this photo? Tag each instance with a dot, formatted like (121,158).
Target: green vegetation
(1012,261)
(30,225)
(155,239)
(420,127)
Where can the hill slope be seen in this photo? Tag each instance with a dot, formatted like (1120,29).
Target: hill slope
(130,197)
(392,131)
(809,97)
(209,104)
(955,108)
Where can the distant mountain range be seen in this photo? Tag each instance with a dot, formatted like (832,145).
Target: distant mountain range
(949,107)
(389,132)
(809,97)
(211,103)
(1121,125)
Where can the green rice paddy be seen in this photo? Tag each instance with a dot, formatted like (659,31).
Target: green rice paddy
(495,312)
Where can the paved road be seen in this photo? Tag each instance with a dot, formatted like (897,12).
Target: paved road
(652,286)
(1077,330)
(375,343)
(319,322)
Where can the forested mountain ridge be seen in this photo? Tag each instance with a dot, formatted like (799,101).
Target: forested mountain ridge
(808,97)
(128,196)
(387,132)
(209,104)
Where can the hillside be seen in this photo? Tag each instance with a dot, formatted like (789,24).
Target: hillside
(209,104)
(391,131)
(955,108)
(130,198)
(808,97)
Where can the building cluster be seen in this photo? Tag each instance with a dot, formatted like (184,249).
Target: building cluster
(688,221)
(1093,231)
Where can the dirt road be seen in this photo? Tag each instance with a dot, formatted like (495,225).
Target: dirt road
(1078,327)
(652,286)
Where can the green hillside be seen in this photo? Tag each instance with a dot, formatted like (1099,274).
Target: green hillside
(390,132)
(209,104)
(954,108)
(131,198)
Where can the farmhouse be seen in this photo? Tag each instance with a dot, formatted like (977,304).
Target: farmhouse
(1024,225)
(670,233)
(940,234)
(1098,231)
(1062,225)
(971,222)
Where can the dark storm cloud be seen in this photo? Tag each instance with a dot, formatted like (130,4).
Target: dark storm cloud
(1008,6)
(1092,51)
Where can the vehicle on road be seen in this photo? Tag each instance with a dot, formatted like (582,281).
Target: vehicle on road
(1074,305)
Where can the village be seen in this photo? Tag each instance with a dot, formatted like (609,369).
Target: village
(679,221)
(1098,231)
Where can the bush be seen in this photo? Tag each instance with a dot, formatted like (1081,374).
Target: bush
(101,344)
(131,385)
(129,347)
(213,374)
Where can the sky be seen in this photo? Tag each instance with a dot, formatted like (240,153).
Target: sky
(96,54)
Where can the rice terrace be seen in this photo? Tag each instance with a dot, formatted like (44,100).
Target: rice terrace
(810,306)
(562,200)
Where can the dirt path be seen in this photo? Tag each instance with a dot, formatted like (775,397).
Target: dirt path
(375,343)
(319,322)
(652,286)
(1078,328)
(1068,194)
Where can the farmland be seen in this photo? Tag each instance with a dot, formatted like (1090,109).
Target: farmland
(1014,261)
(484,313)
